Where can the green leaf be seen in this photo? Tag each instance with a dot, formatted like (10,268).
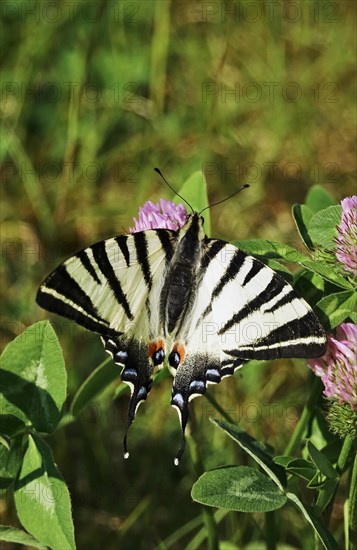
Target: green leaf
(270,249)
(33,381)
(194,191)
(5,476)
(256,450)
(327,271)
(317,482)
(326,494)
(321,461)
(324,535)
(283,460)
(12,534)
(238,488)
(98,380)
(322,228)
(42,498)
(119,390)
(318,198)
(297,466)
(4,442)
(335,308)
(280,268)
(302,216)
(310,285)
(353,317)
(303,473)
(10,463)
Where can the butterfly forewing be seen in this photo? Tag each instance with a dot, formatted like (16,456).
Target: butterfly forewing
(266,319)
(105,286)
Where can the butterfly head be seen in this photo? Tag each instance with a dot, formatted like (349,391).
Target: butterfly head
(194,225)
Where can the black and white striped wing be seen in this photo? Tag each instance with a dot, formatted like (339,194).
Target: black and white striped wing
(243,310)
(258,314)
(112,288)
(105,287)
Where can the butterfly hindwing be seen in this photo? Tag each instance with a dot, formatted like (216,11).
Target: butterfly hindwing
(132,355)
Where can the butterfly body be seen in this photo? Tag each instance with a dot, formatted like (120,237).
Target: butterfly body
(182,276)
(200,305)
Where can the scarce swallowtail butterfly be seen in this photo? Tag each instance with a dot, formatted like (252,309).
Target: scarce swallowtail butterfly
(199,305)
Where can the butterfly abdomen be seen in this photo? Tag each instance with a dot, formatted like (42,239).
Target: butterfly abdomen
(181,286)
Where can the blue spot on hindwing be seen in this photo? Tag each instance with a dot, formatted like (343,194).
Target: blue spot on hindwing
(197,386)
(129,375)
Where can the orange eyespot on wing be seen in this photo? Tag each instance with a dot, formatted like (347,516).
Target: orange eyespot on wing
(181,350)
(177,355)
(156,351)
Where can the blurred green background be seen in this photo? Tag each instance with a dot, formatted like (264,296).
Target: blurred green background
(94,95)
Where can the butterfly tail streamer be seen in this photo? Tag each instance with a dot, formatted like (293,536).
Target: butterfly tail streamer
(180,403)
(181,450)
(191,381)
(136,399)
(132,355)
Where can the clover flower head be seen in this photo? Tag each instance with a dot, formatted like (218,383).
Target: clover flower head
(165,215)
(346,240)
(338,367)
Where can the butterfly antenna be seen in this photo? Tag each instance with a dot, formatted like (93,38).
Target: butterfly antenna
(245,186)
(172,189)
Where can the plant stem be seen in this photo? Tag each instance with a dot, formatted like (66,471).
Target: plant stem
(345,451)
(306,414)
(207,512)
(270,530)
(340,466)
(352,508)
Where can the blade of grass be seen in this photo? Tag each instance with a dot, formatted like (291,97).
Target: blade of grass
(159,49)
(32,185)
(306,415)
(351,534)
(218,407)
(68,162)
(197,542)
(179,533)
(135,515)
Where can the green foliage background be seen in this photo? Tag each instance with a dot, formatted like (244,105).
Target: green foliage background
(94,96)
